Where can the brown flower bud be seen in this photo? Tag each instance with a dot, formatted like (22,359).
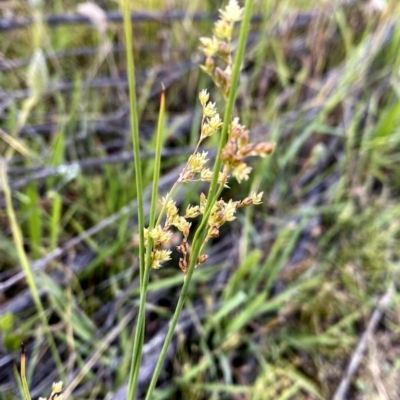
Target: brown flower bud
(183,265)
(244,137)
(186,230)
(223,49)
(220,217)
(246,150)
(225,155)
(209,63)
(213,232)
(221,77)
(248,201)
(182,248)
(263,148)
(220,203)
(201,259)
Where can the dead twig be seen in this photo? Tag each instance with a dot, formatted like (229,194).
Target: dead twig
(358,353)
(38,174)
(116,17)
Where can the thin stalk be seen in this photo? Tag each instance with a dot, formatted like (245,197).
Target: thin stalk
(23,258)
(139,332)
(134,132)
(212,196)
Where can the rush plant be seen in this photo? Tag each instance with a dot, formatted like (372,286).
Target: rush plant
(223,64)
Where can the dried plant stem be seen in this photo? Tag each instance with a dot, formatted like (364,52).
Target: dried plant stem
(356,357)
(25,387)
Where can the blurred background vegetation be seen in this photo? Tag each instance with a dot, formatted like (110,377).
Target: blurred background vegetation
(294,291)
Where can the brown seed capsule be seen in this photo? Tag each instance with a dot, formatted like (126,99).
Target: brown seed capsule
(183,265)
(202,258)
(223,49)
(264,148)
(185,245)
(246,150)
(221,77)
(209,63)
(214,232)
(220,217)
(186,233)
(247,201)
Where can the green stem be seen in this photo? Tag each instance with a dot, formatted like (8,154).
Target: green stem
(139,333)
(134,131)
(212,196)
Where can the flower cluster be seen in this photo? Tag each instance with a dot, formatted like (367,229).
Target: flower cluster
(233,155)
(223,212)
(56,393)
(211,123)
(238,148)
(162,235)
(220,46)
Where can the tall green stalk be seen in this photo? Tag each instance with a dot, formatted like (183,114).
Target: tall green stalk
(212,196)
(138,341)
(134,131)
(139,331)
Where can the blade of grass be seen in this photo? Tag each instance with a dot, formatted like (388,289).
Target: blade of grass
(135,365)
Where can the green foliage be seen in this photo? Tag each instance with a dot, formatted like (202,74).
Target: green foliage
(11,338)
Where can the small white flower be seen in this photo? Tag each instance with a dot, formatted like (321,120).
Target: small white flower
(203,97)
(232,12)
(210,46)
